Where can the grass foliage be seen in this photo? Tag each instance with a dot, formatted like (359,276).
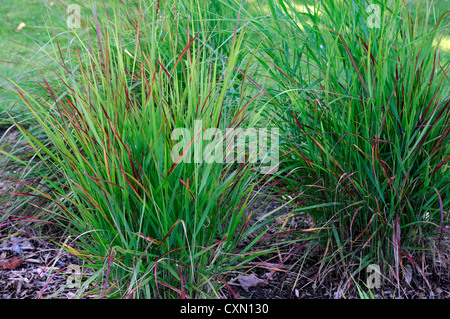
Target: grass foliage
(364,114)
(162,228)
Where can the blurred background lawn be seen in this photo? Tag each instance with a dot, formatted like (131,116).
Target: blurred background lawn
(19,46)
(22,37)
(19,49)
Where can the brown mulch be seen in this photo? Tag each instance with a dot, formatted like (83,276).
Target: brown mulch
(31,268)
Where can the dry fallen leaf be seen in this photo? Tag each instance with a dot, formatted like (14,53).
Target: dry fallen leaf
(247,282)
(12,264)
(21,26)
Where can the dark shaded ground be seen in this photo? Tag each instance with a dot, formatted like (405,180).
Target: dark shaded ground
(293,273)
(281,286)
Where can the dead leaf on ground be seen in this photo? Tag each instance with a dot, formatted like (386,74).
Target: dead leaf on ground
(21,26)
(12,264)
(247,282)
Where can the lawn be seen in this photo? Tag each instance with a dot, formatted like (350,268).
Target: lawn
(23,38)
(20,47)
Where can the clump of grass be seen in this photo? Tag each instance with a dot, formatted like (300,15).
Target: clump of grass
(366,114)
(149,226)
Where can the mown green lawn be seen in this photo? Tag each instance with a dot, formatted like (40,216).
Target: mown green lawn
(19,49)
(18,52)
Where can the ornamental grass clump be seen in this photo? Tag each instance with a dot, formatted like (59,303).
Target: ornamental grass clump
(148,225)
(362,97)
